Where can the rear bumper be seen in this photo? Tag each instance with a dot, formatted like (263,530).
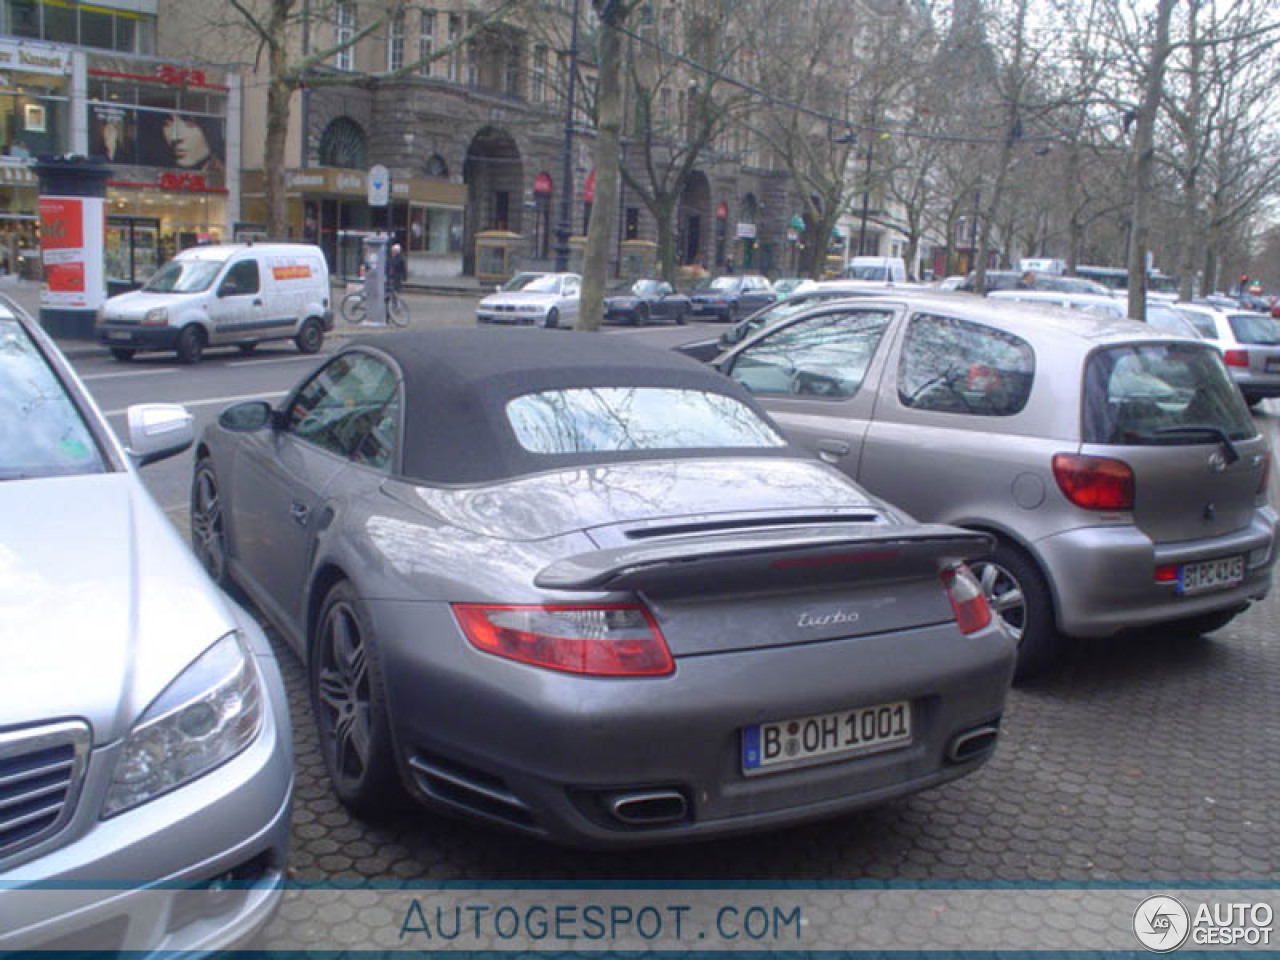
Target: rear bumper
(1104,577)
(517,319)
(542,752)
(1258,385)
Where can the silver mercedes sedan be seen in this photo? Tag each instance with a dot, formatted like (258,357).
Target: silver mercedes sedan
(146,766)
(593,595)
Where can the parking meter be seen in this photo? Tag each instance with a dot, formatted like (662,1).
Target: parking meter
(375,280)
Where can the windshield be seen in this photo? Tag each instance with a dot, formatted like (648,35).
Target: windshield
(184,276)
(867,272)
(519,281)
(1139,395)
(1255,328)
(1169,320)
(42,433)
(720,284)
(546,283)
(647,288)
(611,419)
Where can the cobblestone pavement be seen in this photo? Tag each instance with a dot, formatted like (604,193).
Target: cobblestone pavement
(1150,759)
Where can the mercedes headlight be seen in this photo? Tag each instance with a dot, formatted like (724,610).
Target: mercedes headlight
(156,317)
(211,712)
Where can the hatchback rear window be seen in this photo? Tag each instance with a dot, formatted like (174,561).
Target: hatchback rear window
(1159,393)
(1255,328)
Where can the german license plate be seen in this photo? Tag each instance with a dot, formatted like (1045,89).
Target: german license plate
(767,747)
(119,335)
(1211,574)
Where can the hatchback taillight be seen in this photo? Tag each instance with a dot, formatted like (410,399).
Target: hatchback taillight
(1236,358)
(967,599)
(604,640)
(1094,483)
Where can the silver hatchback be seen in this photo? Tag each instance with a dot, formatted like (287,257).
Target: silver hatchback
(1118,468)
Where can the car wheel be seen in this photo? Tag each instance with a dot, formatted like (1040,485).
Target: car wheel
(248,348)
(642,315)
(682,316)
(208,525)
(123,353)
(1018,594)
(311,337)
(551,319)
(190,344)
(350,704)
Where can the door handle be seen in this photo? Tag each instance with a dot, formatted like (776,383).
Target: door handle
(257,301)
(832,450)
(299,512)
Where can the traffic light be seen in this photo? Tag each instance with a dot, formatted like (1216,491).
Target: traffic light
(1244,280)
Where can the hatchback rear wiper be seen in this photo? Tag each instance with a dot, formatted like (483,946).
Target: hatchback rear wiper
(1232,455)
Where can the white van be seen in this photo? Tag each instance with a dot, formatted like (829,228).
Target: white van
(230,294)
(881,269)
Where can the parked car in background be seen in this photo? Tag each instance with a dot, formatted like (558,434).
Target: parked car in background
(808,294)
(1117,467)
(1013,280)
(239,294)
(732,297)
(783,287)
(511,544)
(1160,315)
(144,730)
(879,269)
(546,300)
(1250,345)
(519,280)
(645,301)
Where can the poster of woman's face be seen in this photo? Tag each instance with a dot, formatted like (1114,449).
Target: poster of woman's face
(157,138)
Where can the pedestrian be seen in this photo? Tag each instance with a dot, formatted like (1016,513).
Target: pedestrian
(397,269)
(728,265)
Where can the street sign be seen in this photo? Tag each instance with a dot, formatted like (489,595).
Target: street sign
(379,186)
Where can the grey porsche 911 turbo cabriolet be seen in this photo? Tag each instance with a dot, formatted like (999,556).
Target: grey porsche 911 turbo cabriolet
(594,595)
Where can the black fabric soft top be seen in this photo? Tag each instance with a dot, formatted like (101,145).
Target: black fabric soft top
(458,382)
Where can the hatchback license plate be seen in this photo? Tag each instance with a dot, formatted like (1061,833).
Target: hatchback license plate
(1211,574)
(767,747)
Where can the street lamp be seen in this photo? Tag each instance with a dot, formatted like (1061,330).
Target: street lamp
(564,228)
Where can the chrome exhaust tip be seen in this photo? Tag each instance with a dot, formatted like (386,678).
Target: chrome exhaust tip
(648,808)
(972,743)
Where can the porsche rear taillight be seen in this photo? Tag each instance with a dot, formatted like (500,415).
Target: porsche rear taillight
(603,640)
(1236,358)
(1094,483)
(967,599)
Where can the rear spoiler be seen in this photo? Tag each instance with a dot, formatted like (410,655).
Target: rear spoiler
(765,558)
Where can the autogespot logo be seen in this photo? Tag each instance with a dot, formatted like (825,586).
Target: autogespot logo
(1161,924)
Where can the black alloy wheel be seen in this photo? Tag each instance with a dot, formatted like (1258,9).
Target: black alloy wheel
(1019,596)
(208,527)
(190,345)
(311,337)
(349,700)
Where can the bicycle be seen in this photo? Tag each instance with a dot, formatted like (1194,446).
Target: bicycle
(355,312)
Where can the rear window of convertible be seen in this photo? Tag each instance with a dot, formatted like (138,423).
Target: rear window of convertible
(1158,393)
(614,419)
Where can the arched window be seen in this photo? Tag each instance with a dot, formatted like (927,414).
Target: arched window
(343,145)
(436,167)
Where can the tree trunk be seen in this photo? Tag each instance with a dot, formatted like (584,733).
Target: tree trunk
(608,126)
(279,92)
(662,218)
(1191,176)
(1144,157)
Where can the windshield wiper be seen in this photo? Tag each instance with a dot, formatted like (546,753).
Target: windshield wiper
(1192,429)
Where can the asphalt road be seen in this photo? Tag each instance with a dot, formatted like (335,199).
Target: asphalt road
(1147,759)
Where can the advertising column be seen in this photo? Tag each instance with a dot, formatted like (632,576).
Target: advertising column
(72,233)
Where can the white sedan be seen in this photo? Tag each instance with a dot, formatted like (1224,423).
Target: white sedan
(550,300)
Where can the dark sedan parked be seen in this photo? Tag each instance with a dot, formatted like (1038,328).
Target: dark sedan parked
(592,594)
(643,301)
(729,298)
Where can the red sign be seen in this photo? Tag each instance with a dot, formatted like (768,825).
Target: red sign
(168,73)
(589,191)
(65,277)
(722,211)
(542,184)
(193,182)
(61,224)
